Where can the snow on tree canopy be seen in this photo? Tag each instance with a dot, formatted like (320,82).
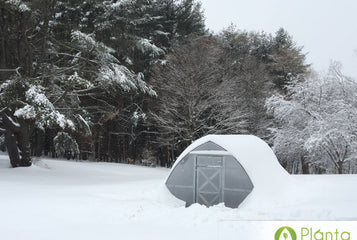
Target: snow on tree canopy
(146,47)
(35,95)
(74,79)
(111,73)
(115,74)
(18,5)
(118,75)
(40,109)
(115,5)
(26,112)
(87,43)
(318,122)
(142,86)
(137,116)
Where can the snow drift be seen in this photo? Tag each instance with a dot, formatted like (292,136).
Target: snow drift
(57,199)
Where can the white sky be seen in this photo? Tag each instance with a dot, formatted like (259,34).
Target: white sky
(326,28)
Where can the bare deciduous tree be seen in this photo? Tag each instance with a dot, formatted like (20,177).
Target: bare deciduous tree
(195,95)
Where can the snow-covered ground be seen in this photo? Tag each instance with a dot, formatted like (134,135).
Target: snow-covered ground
(59,199)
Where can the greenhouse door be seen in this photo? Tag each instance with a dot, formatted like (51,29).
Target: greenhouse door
(208,187)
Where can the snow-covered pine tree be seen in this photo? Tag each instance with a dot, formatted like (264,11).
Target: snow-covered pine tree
(65,81)
(24,106)
(143,31)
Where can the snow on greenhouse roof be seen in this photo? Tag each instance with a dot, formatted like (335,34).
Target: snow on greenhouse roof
(255,156)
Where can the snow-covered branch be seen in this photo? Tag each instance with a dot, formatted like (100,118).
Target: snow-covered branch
(320,119)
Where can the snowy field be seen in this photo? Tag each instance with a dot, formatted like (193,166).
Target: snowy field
(59,199)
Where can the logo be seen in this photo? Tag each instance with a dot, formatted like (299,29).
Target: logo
(285,233)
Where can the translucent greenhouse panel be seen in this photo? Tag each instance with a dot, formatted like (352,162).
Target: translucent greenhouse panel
(181,181)
(237,184)
(209,179)
(209,146)
(207,160)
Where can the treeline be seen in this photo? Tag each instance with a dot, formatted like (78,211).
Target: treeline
(133,80)
(77,72)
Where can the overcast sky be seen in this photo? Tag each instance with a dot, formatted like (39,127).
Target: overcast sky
(326,28)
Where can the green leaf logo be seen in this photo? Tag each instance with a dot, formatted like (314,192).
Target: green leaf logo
(285,233)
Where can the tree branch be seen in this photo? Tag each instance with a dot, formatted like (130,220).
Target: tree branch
(10,123)
(61,97)
(12,70)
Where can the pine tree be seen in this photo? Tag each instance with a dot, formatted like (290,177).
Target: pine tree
(286,61)
(66,84)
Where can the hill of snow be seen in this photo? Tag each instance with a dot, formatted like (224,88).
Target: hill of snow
(59,199)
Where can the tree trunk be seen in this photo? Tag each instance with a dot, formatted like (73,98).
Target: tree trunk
(23,142)
(340,167)
(38,142)
(11,146)
(17,140)
(304,165)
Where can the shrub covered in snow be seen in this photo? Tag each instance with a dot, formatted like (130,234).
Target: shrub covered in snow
(65,145)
